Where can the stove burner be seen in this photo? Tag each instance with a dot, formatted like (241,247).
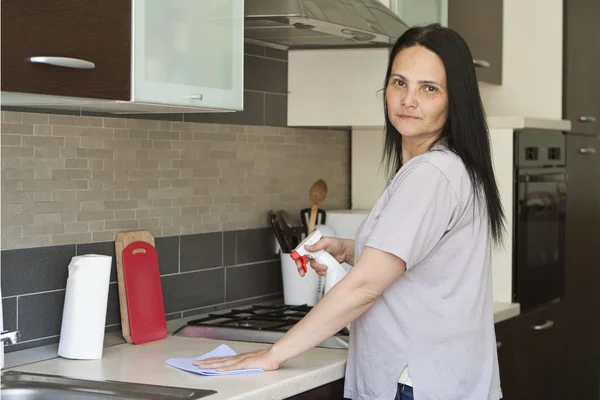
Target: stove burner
(280,318)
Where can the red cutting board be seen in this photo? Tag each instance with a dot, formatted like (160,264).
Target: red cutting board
(143,290)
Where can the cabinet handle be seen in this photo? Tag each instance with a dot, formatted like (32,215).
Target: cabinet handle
(498,345)
(587,118)
(63,62)
(481,63)
(588,150)
(196,96)
(545,326)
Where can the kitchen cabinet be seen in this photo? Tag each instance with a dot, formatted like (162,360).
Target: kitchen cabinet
(531,354)
(480,22)
(336,87)
(186,54)
(331,391)
(421,12)
(582,286)
(541,356)
(506,344)
(581,100)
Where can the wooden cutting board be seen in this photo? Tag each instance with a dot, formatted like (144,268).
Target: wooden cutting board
(140,292)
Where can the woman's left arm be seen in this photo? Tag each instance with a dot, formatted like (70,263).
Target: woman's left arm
(349,298)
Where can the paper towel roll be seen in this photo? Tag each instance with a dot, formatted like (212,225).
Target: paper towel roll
(84,312)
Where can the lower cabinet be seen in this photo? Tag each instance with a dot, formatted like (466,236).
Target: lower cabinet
(532,355)
(331,391)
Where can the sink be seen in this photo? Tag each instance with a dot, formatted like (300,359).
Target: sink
(17,385)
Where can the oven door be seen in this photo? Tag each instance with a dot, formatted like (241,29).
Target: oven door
(540,236)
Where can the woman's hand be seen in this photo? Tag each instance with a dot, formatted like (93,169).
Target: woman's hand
(341,249)
(263,359)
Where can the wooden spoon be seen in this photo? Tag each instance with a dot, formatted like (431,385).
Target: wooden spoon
(317,195)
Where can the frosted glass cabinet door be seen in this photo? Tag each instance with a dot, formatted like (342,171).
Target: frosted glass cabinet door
(189,53)
(421,12)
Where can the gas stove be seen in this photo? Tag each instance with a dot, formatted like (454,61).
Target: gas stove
(258,323)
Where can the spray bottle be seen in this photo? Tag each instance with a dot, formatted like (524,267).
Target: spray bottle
(335,271)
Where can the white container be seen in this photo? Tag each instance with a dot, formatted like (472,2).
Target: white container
(84,313)
(298,290)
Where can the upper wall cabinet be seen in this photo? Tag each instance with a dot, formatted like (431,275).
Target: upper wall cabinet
(420,12)
(581,100)
(116,55)
(479,22)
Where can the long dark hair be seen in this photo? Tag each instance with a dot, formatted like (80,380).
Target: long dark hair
(466,130)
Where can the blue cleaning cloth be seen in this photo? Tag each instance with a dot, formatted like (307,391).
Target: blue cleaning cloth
(187,364)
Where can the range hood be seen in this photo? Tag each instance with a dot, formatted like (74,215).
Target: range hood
(321,23)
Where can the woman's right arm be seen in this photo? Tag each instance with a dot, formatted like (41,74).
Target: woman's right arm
(341,249)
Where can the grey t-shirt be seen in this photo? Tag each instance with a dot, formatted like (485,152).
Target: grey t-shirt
(438,316)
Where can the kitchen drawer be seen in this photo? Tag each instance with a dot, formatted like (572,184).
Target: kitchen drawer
(541,357)
(90,30)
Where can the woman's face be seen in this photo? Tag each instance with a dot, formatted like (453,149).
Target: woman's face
(417,101)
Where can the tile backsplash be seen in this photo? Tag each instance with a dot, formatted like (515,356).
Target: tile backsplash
(70,183)
(80,179)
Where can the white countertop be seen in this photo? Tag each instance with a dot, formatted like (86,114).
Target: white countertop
(516,122)
(504,311)
(146,364)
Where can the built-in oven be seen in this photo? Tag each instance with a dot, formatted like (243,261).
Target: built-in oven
(540,204)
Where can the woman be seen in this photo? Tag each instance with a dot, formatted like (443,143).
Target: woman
(419,295)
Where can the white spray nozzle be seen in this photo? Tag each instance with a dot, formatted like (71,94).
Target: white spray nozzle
(311,239)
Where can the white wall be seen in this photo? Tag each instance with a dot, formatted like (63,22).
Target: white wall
(532,61)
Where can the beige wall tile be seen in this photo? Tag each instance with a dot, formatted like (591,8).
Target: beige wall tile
(82,179)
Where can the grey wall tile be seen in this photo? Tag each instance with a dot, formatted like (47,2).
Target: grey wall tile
(253,280)
(255,245)
(40,315)
(193,290)
(276,109)
(32,344)
(101,248)
(276,53)
(265,74)
(229,246)
(253,113)
(113,309)
(254,49)
(173,316)
(276,298)
(201,251)
(36,269)
(9,313)
(168,254)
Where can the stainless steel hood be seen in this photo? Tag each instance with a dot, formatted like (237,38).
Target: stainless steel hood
(321,23)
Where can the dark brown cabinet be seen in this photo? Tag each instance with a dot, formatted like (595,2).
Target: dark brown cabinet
(76,32)
(582,296)
(479,22)
(507,349)
(582,65)
(541,355)
(532,355)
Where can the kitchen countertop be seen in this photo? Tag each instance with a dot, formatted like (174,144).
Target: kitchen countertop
(504,311)
(516,122)
(146,364)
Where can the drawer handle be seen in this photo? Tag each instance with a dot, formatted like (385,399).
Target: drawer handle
(587,118)
(196,96)
(588,150)
(63,62)
(545,326)
(481,63)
